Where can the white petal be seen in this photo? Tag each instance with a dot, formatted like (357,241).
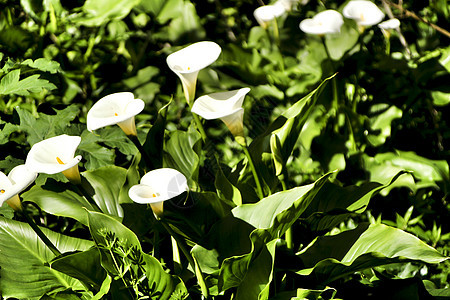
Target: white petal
(141,193)
(267,13)
(17,180)
(219,105)
(166,183)
(194,57)
(22,175)
(390,24)
(113,109)
(53,155)
(328,21)
(365,13)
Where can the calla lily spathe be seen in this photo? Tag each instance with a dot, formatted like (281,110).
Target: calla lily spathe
(390,24)
(158,186)
(226,106)
(187,62)
(365,13)
(55,155)
(328,21)
(10,186)
(265,14)
(117,108)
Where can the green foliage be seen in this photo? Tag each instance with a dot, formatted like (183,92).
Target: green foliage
(348,133)
(23,259)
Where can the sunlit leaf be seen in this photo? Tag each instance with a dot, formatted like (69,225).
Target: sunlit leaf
(159,281)
(331,257)
(12,84)
(23,256)
(278,212)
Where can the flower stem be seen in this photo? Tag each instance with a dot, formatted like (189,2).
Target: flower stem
(84,192)
(189,257)
(288,233)
(333,69)
(138,145)
(198,122)
(39,232)
(255,174)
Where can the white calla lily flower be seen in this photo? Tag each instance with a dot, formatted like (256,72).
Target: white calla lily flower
(390,24)
(158,186)
(17,180)
(328,21)
(226,106)
(187,62)
(288,4)
(265,14)
(55,155)
(364,12)
(117,108)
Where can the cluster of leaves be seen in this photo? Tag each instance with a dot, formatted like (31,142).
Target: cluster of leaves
(57,57)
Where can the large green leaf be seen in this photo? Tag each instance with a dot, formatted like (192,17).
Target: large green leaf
(331,257)
(339,44)
(182,155)
(381,123)
(250,272)
(107,183)
(333,203)
(63,203)
(225,189)
(12,84)
(154,142)
(164,10)
(23,256)
(284,138)
(279,211)
(46,126)
(103,228)
(427,172)
(98,12)
(84,266)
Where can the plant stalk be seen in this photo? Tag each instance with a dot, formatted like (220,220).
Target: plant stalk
(255,174)
(187,254)
(198,122)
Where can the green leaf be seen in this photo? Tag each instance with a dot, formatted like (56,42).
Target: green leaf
(333,203)
(331,257)
(154,142)
(164,10)
(440,98)
(314,294)
(85,266)
(113,137)
(251,273)
(6,132)
(43,64)
(292,121)
(98,12)
(182,155)
(96,155)
(426,171)
(23,256)
(339,44)
(107,183)
(225,189)
(12,84)
(278,212)
(46,126)
(381,124)
(101,225)
(64,203)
